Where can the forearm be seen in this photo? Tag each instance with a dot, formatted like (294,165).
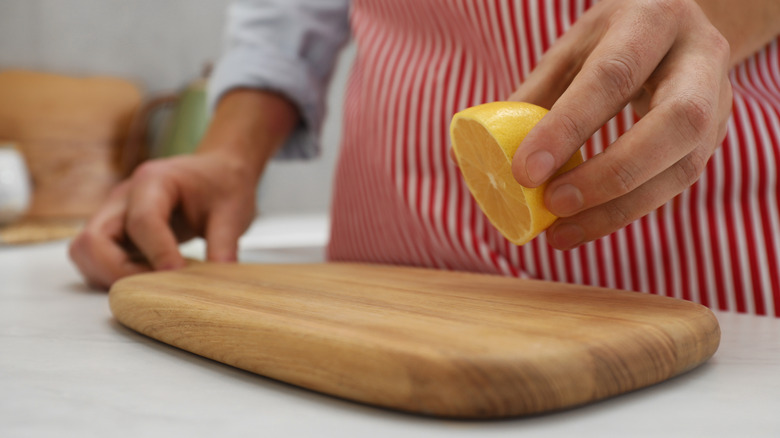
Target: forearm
(748,25)
(249,126)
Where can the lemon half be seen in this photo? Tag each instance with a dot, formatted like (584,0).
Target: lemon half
(484,140)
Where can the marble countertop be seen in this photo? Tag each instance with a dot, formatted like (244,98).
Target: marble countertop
(67,368)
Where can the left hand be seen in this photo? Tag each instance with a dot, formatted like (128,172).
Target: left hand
(164,202)
(665,58)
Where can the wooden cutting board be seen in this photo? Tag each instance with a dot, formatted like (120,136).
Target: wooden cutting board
(426,341)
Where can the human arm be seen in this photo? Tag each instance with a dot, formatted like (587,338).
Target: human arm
(266,94)
(288,46)
(665,57)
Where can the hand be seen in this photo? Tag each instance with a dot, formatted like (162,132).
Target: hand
(671,63)
(166,202)
(209,194)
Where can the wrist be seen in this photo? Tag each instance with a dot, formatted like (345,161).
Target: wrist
(247,129)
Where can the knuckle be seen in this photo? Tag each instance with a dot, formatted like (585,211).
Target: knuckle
(616,215)
(618,74)
(694,116)
(570,127)
(689,169)
(148,169)
(622,178)
(719,45)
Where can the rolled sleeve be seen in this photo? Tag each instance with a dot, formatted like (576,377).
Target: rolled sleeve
(289,47)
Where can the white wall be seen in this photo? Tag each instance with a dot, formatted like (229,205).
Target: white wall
(160,44)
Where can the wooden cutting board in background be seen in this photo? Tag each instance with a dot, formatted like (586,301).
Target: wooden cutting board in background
(426,341)
(71,131)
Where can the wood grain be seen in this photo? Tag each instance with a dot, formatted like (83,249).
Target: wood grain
(426,341)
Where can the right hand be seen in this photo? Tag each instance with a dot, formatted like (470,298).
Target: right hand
(165,202)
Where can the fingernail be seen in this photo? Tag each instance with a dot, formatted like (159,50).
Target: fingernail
(539,166)
(567,236)
(566,200)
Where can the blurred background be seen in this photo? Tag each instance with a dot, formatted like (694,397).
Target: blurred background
(161,47)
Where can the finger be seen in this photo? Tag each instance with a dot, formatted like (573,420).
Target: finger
(659,140)
(98,250)
(611,75)
(591,224)
(222,233)
(560,64)
(183,228)
(101,260)
(685,116)
(150,206)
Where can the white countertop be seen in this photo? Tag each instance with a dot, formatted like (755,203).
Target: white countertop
(67,368)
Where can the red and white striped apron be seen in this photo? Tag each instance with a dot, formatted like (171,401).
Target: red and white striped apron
(399,199)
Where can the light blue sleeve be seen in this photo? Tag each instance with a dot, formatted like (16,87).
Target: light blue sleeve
(290,47)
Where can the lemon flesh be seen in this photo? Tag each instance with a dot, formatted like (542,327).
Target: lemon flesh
(484,141)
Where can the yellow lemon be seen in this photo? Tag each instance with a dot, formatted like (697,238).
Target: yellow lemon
(484,141)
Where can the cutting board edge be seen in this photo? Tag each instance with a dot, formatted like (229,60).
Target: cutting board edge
(467,412)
